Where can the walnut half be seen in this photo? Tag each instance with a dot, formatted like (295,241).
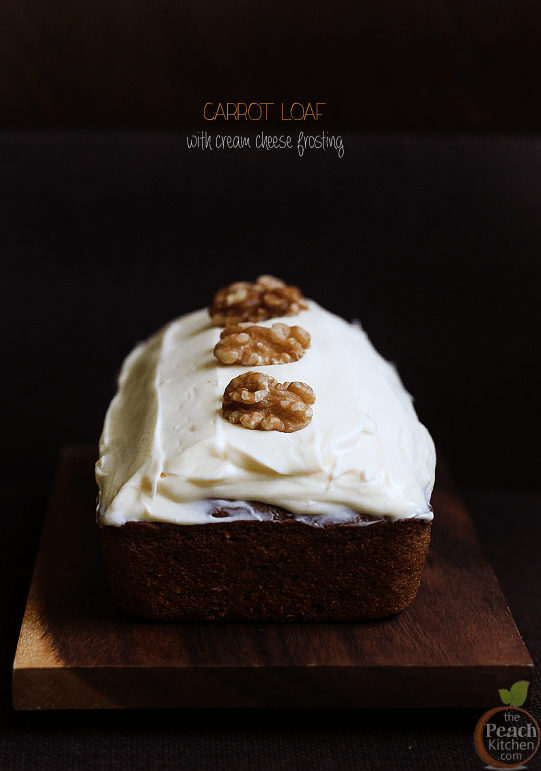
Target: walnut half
(252,345)
(267,298)
(257,401)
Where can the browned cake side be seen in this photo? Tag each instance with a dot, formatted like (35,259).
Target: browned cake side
(281,570)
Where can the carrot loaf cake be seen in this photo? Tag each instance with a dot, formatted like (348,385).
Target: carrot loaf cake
(261,461)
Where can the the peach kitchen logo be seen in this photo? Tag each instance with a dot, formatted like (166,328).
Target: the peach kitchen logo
(508,736)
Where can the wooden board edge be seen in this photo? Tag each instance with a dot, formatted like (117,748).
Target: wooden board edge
(280,687)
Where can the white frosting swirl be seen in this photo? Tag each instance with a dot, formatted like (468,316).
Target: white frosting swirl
(166,449)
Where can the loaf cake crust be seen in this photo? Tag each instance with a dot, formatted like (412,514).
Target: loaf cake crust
(282,570)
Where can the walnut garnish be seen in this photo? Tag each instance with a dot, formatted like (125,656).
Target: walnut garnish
(252,345)
(258,401)
(245,302)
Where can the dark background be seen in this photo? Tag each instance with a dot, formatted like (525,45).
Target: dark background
(432,241)
(428,230)
(380,65)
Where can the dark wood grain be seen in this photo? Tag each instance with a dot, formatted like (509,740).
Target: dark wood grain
(455,646)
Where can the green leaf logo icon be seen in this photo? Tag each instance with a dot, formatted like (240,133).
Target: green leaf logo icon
(517,695)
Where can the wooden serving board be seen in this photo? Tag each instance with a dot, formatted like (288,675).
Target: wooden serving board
(455,646)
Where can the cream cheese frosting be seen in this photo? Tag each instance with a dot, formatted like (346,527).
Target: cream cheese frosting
(166,449)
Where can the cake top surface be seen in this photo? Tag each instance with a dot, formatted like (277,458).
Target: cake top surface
(166,447)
